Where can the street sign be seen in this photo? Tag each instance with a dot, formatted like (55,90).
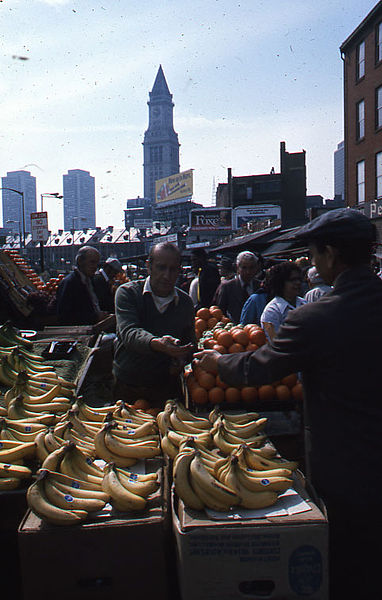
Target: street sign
(143,223)
(39,226)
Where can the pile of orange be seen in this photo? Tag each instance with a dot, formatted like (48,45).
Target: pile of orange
(207,318)
(236,339)
(206,388)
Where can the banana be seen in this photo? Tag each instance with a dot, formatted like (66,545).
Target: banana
(85,463)
(121,498)
(10,333)
(213,494)
(245,431)
(163,419)
(25,426)
(256,473)
(68,501)
(79,492)
(181,474)
(168,447)
(103,452)
(254,441)
(52,441)
(54,392)
(255,460)
(42,451)
(271,483)
(221,443)
(251,499)
(137,476)
(9,483)
(186,415)
(18,452)
(54,459)
(69,466)
(71,482)
(40,505)
(181,426)
(141,488)
(147,429)
(138,450)
(9,470)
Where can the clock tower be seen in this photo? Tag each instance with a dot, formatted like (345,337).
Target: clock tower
(160,145)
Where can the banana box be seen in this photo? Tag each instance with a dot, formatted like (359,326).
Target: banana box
(280,557)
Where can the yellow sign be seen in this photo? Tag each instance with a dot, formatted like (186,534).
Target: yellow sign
(174,188)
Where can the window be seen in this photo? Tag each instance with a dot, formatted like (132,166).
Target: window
(378,43)
(378,175)
(156,154)
(360,123)
(360,60)
(378,107)
(360,181)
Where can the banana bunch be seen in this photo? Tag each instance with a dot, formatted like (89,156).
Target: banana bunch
(12,455)
(126,412)
(25,407)
(89,413)
(37,390)
(128,491)
(228,435)
(62,499)
(71,461)
(19,431)
(9,336)
(71,428)
(259,459)
(42,380)
(20,362)
(117,443)
(242,418)
(176,424)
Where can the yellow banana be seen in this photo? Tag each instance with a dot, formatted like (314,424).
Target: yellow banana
(257,498)
(68,501)
(186,415)
(168,447)
(19,451)
(41,449)
(103,452)
(141,488)
(71,482)
(183,427)
(213,494)
(271,483)
(121,498)
(245,431)
(138,450)
(13,470)
(40,505)
(79,492)
(54,459)
(9,483)
(255,460)
(183,488)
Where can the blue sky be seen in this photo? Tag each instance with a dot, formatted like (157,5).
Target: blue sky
(244,74)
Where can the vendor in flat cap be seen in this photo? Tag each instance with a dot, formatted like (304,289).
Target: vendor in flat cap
(336,343)
(103,283)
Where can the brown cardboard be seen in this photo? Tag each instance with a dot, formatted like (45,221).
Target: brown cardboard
(120,554)
(281,558)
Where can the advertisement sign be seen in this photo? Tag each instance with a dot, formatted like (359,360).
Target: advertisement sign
(171,237)
(39,227)
(174,188)
(247,214)
(211,219)
(143,223)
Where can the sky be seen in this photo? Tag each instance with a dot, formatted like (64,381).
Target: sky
(244,74)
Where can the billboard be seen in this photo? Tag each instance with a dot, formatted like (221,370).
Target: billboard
(245,214)
(211,219)
(174,188)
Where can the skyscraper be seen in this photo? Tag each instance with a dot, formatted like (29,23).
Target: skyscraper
(13,217)
(339,172)
(161,145)
(79,199)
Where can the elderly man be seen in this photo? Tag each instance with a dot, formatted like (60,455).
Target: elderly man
(77,303)
(336,344)
(103,281)
(155,331)
(231,295)
(317,286)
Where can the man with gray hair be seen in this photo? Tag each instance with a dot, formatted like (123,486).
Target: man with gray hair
(317,286)
(77,303)
(231,295)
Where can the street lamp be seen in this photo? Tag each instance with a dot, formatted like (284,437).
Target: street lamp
(22,210)
(19,224)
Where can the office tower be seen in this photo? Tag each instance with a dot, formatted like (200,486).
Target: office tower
(160,146)
(13,217)
(79,199)
(339,172)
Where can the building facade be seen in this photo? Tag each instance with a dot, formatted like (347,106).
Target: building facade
(362,56)
(160,145)
(14,217)
(79,199)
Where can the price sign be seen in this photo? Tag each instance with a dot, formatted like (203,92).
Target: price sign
(39,226)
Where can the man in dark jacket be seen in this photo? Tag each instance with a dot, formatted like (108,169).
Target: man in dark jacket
(231,295)
(77,302)
(103,281)
(208,277)
(155,331)
(336,344)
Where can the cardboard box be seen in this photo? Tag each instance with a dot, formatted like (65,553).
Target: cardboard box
(12,508)
(281,558)
(97,560)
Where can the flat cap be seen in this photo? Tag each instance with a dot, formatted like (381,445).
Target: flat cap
(340,223)
(114,264)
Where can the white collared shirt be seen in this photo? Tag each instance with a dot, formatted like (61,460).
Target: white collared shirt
(276,312)
(160,302)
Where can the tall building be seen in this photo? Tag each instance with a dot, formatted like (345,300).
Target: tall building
(79,199)
(160,145)
(13,217)
(362,59)
(339,172)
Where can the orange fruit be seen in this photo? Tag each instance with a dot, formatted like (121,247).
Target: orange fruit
(249,327)
(283,392)
(221,349)
(224,338)
(297,391)
(216,395)
(206,380)
(214,307)
(249,394)
(266,392)
(220,383)
(225,320)
(199,395)
(211,322)
(209,343)
(232,395)
(203,313)
(200,325)
(258,337)
(142,404)
(252,347)
(216,312)
(236,348)
(241,337)
(290,380)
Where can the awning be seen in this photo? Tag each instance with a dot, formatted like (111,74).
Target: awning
(254,241)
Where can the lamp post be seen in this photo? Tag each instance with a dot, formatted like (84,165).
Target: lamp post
(22,210)
(47,195)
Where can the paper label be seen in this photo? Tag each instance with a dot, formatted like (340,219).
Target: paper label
(69,498)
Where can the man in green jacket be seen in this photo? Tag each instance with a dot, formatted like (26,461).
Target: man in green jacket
(155,331)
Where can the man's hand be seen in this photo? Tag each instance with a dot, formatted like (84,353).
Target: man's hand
(170,346)
(207,360)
